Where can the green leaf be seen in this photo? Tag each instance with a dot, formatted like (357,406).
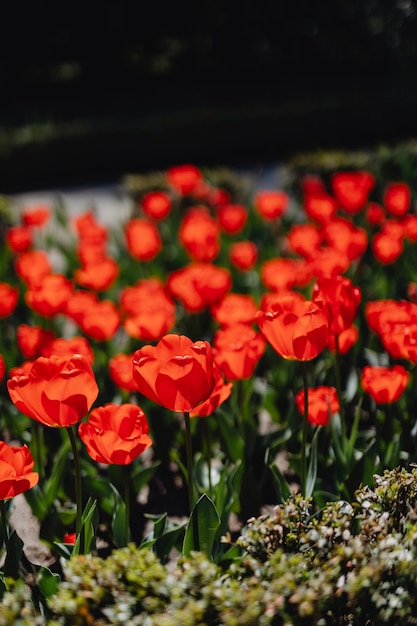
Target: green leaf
(64,549)
(281,485)
(234,441)
(56,480)
(142,475)
(312,465)
(120,527)
(37,502)
(201,528)
(89,523)
(13,556)
(166,535)
(48,582)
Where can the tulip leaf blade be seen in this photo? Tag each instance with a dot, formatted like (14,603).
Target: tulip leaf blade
(14,546)
(48,582)
(120,526)
(281,486)
(202,527)
(89,523)
(312,465)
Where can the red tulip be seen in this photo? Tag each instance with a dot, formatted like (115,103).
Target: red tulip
(305,239)
(68,347)
(37,215)
(184,178)
(397,199)
(57,391)
(199,285)
(237,350)
(8,299)
(232,218)
(2,368)
(33,340)
(352,189)
(339,299)
(89,229)
(296,330)
(32,266)
(150,312)
(271,204)
(16,475)
(19,238)
(177,373)
(385,384)
(120,370)
(221,392)
(345,340)
(100,320)
(387,249)
(234,308)
(142,239)
(243,255)
(50,295)
(98,275)
(322,402)
(156,205)
(320,206)
(115,434)
(199,234)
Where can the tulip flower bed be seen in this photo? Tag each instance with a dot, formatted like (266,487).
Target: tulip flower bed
(219,351)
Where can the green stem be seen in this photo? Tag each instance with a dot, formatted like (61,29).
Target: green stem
(78,489)
(38,445)
(190,472)
(304,432)
(339,385)
(206,431)
(190,475)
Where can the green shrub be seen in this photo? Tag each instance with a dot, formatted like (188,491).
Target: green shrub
(346,564)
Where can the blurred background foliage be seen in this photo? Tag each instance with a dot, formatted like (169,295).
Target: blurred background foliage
(94,90)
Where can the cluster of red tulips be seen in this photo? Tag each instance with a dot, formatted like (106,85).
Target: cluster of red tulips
(207,304)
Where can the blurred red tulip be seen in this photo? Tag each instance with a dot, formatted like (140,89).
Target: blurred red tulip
(232,218)
(271,204)
(19,238)
(237,350)
(339,299)
(142,239)
(37,215)
(243,255)
(50,295)
(352,189)
(397,199)
(184,178)
(32,266)
(156,205)
(322,404)
(9,297)
(115,434)
(199,285)
(234,308)
(121,371)
(199,233)
(33,340)
(297,330)
(99,275)
(385,384)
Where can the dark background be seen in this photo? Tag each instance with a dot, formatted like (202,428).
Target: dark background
(91,92)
